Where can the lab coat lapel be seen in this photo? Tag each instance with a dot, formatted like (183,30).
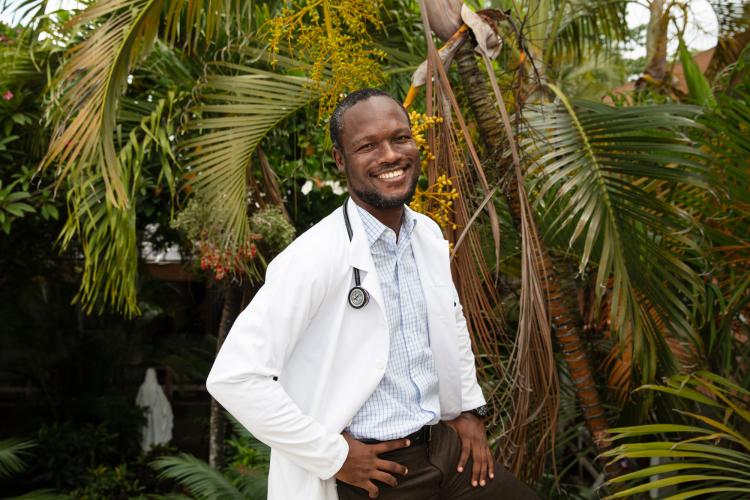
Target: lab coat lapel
(431,256)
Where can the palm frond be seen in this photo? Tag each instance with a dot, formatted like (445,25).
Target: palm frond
(579,26)
(602,177)
(11,451)
(94,77)
(236,112)
(711,456)
(107,233)
(43,494)
(199,478)
(92,81)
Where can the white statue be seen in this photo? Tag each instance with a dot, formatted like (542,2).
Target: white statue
(159,418)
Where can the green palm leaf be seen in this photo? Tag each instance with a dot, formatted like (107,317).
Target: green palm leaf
(703,461)
(601,177)
(236,111)
(199,478)
(11,451)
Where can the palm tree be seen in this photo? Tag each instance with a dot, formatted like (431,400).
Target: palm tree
(579,156)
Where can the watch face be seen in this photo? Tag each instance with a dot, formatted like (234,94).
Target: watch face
(481,411)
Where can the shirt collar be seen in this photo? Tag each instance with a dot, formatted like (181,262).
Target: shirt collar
(374,228)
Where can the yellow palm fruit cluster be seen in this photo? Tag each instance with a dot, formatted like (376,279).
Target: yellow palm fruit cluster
(419,125)
(437,201)
(335,37)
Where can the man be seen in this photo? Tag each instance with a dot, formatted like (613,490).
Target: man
(353,361)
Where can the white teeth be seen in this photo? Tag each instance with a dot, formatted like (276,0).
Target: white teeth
(392,174)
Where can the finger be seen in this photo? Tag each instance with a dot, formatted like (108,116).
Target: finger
(464,456)
(483,467)
(394,467)
(476,466)
(387,446)
(491,465)
(372,490)
(384,477)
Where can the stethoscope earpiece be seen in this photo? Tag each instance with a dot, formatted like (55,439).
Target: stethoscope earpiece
(358,296)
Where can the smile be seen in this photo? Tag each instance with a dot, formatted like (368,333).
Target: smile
(393,174)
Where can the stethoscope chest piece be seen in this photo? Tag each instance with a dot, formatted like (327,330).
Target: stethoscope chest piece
(358,297)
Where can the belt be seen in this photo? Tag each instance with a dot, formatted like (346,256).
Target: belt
(423,435)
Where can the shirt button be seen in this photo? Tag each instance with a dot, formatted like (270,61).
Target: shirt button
(380,364)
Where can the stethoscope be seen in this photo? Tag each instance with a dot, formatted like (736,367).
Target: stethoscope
(358,296)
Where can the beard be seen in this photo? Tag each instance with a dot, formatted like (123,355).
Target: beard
(377,200)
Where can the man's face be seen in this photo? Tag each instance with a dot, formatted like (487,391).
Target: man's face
(378,155)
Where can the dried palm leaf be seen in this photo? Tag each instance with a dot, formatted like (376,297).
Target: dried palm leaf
(529,382)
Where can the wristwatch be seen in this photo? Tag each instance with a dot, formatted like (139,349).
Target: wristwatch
(481,411)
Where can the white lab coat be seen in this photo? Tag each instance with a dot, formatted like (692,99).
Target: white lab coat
(329,357)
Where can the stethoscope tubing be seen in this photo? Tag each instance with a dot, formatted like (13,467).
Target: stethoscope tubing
(358,297)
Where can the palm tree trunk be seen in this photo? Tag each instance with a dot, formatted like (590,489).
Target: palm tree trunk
(217,422)
(565,320)
(656,43)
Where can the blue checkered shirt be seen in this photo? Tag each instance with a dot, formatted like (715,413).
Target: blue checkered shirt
(407,397)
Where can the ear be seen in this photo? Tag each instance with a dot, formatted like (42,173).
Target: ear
(338,157)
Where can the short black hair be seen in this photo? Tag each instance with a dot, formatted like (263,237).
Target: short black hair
(336,122)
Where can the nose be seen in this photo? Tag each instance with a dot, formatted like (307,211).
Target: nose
(389,153)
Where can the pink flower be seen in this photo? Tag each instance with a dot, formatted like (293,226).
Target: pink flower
(8,95)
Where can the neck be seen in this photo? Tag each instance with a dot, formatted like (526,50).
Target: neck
(390,217)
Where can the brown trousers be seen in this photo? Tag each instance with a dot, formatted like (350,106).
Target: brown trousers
(433,475)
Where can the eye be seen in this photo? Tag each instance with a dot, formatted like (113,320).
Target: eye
(403,138)
(366,147)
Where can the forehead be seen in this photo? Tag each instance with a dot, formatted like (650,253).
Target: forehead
(373,116)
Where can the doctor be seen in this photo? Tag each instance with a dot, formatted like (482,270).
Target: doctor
(353,361)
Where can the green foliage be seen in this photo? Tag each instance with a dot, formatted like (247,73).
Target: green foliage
(235,113)
(726,222)
(109,482)
(244,479)
(67,453)
(205,226)
(12,205)
(709,456)
(11,451)
(274,228)
(23,193)
(698,87)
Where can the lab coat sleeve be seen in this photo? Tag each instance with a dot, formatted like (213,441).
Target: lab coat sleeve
(471,393)
(254,352)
